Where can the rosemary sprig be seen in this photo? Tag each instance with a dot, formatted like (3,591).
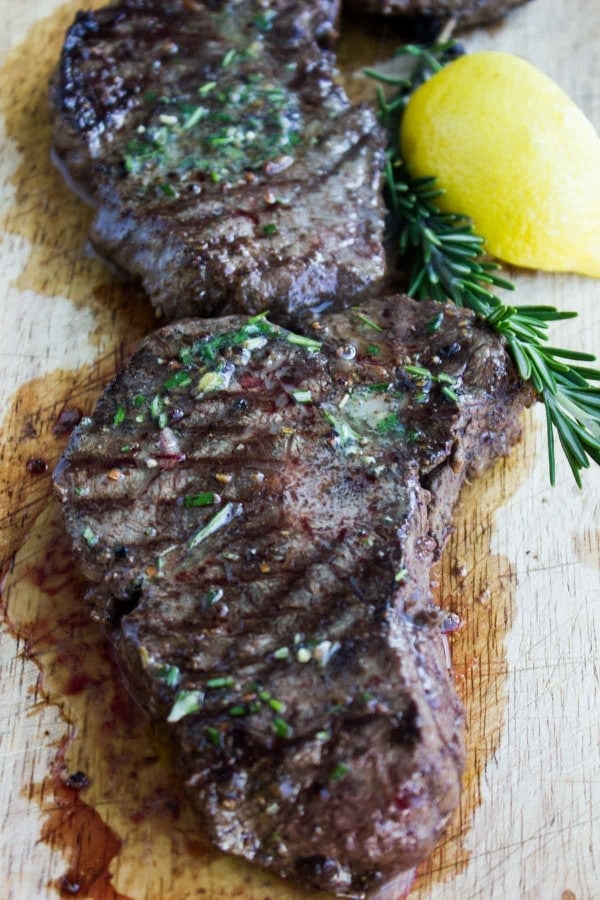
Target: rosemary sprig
(447,262)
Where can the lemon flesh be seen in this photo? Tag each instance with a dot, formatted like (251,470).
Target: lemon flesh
(513,152)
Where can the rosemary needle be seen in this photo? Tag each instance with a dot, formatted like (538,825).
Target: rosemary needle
(446,262)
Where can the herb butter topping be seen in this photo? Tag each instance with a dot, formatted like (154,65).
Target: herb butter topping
(236,122)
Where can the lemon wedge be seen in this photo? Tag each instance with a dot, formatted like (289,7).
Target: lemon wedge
(513,152)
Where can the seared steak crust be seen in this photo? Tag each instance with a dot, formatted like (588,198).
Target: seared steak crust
(228,169)
(259,513)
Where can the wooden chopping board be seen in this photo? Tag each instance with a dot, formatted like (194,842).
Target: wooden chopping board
(522,568)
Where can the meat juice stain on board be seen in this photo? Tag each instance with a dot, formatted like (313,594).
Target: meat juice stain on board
(81,828)
(132,793)
(480,587)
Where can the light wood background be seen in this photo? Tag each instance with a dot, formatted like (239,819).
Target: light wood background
(522,567)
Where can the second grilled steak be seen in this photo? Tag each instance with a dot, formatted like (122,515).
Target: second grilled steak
(228,169)
(259,512)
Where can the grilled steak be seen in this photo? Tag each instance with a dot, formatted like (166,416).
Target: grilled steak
(228,169)
(467,12)
(258,512)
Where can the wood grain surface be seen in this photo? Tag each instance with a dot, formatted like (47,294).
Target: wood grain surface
(522,567)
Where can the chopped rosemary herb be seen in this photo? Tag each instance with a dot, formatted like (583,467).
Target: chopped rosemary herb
(435,324)
(194,117)
(139,400)
(238,710)
(373,350)
(270,228)
(213,596)
(281,727)
(302,396)
(90,537)
(119,416)
(205,89)
(252,335)
(178,379)
(214,735)
(340,771)
(414,434)
(377,387)
(222,518)
(156,407)
(169,674)
(186,703)
(389,423)
(302,341)
(264,20)
(447,382)
(345,432)
(419,371)
(368,322)
(449,394)
(168,190)
(220,682)
(194,500)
